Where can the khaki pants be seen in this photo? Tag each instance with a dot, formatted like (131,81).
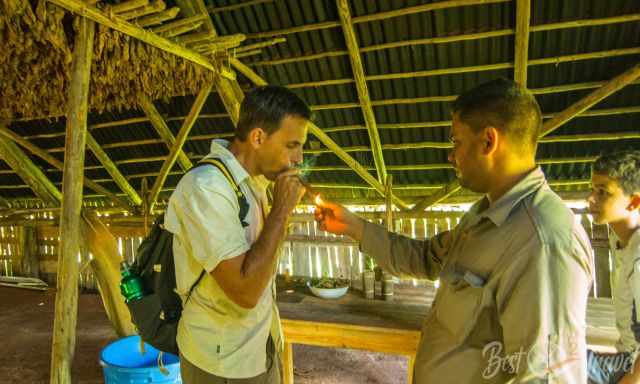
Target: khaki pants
(194,375)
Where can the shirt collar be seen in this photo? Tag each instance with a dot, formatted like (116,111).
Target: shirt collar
(219,150)
(501,208)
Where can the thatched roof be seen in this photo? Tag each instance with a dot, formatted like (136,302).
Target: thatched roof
(416,56)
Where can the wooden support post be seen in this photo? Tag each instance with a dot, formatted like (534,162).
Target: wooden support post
(325,139)
(145,204)
(30,265)
(163,129)
(66,307)
(177,146)
(106,269)
(389,203)
(523,15)
(287,363)
(600,239)
(113,170)
(29,172)
(361,87)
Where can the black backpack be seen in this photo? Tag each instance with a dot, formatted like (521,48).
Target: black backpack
(156,315)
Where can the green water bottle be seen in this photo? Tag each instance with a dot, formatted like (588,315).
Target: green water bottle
(131,284)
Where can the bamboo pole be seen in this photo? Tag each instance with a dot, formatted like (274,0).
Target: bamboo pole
(523,16)
(4,132)
(591,99)
(66,307)
(113,170)
(361,88)
(92,13)
(177,146)
(162,129)
(389,202)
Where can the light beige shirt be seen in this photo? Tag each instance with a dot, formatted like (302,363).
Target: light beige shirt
(624,289)
(214,333)
(512,302)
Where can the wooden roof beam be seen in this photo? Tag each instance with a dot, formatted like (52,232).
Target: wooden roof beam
(44,155)
(523,16)
(361,86)
(591,99)
(113,170)
(22,165)
(201,98)
(376,16)
(162,129)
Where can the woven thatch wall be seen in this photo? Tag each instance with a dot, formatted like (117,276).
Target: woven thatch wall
(36,41)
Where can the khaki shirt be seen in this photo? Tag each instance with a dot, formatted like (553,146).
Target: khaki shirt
(214,333)
(512,302)
(624,288)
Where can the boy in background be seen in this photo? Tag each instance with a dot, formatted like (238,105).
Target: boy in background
(615,200)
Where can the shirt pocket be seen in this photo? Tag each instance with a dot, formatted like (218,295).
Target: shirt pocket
(458,309)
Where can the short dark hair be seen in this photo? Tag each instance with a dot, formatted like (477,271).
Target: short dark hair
(504,105)
(266,106)
(624,167)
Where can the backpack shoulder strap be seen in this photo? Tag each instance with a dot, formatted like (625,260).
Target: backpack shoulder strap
(242,200)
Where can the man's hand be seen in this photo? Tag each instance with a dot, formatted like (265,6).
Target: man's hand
(337,219)
(287,191)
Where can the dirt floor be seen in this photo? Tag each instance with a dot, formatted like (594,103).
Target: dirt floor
(26,320)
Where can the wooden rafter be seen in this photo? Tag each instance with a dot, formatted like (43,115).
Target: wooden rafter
(456,38)
(325,139)
(177,145)
(361,86)
(161,127)
(474,68)
(376,16)
(58,165)
(113,170)
(523,16)
(591,99)
(549,126)
(92,13)
(29,172)
(66,306)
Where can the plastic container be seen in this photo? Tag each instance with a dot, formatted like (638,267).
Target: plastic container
(123,363)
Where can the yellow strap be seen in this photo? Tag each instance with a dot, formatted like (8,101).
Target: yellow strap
(218,164)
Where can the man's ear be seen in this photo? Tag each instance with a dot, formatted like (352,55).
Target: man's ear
(491,138)
(635,202)
(256,137)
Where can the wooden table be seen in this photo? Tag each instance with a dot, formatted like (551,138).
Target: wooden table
(349,322)
(386,326)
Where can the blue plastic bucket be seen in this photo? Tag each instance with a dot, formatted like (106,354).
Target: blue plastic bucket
(123,363)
